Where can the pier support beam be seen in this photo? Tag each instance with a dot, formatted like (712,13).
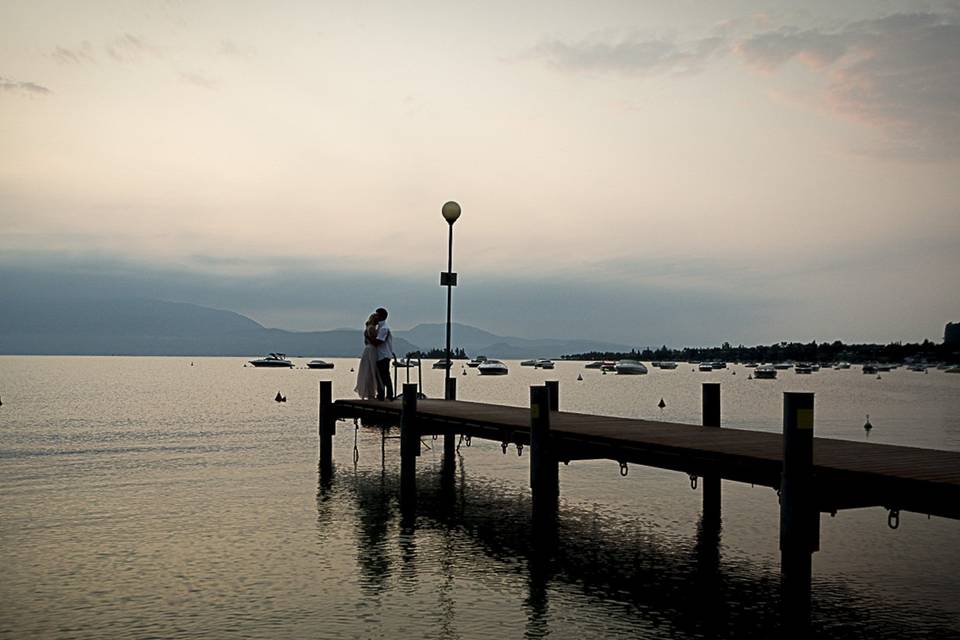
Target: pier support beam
(554,387)
(409,446)
(449,463)
(544,470)
(327,429)
(711,483)
(799,517)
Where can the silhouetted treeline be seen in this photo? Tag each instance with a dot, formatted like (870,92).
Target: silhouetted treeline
(456,354)
(836,351)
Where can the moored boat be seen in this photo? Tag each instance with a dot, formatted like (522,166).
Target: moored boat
(476,362)
(493,368)
(765,372)
(272,360)
(705,366)
(319,364)
(544,364)
(668,365)
(802,367)
(630,368)
(528,363)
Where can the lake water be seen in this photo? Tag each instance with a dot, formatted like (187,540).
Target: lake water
(173,498)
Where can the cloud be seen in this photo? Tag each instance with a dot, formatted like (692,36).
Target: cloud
(899,74)
(630,54)
(74,55)
(198,80)
(16,86)
(129,48)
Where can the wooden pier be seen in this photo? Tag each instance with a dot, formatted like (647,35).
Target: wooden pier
(811,475)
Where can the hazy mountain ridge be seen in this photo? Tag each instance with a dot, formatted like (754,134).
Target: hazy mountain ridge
(45,325)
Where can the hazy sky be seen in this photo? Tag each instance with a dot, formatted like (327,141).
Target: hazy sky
(677,171)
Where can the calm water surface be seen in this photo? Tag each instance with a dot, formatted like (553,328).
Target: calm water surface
(145,497)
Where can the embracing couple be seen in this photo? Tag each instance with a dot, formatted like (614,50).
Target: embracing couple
(373,374)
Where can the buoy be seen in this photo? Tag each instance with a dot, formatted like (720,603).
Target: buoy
(351,369)
(604,372)
(866,425)
(734,372)
(750,376)
(878,377)
(579,377)
(661,404)
(464,372)
(279,397)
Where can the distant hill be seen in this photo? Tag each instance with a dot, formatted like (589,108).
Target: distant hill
(479,342)
(55,325)
(47,325)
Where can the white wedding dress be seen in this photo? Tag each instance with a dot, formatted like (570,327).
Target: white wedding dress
(367,373)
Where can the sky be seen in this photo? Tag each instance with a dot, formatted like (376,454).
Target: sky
(650,173)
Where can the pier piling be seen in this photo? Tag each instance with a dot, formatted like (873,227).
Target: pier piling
(711,483)
(554,387)
(799,517)
(409,444)
(449,463)
(327,425)
(544,469)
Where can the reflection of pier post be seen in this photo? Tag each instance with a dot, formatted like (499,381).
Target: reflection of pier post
(328,429)
(554,387)
(544,472)
(409,449)
(711,483)
(449,463)
(799,517)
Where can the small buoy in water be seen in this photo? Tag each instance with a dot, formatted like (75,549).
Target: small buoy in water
(579,377)
(878,377)
(661,404)
(733,372)
(604,372)
(464,372)
(351,369)
(279,397)
(866,425)
(750,376)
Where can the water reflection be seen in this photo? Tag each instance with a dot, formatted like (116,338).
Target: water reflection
(593,573)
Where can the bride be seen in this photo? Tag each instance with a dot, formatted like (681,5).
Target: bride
(367,371)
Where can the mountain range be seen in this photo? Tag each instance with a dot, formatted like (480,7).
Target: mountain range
(139,326)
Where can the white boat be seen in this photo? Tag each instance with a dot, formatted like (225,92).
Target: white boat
(528,363)
(544,364)
(442,364)
(802,367)
(719,364)
(783,365)
(765,372)
(476,362)
(842,365)
(598,364)
(630,368)
(952,370)
(319,364)
(870,368)
(668,365)
(706,366)
(751,365)
(493,368)
(272,360)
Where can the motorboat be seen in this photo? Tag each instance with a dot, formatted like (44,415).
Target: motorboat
(918,367)
(954,369)
(597,364)
(884,368)
(842,365)
(870,368)
(781,366)
(272,360)
(705,366)
(319,364)
(608,365)
(802,367)
(544,364)
(442,364)
(765,372)
(406,363)
(528,363)
(719,364)
(476,362)
(630,368)
(751,365)
(493,368)
(668,365)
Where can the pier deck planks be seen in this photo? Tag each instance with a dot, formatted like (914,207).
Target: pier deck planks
(847,473)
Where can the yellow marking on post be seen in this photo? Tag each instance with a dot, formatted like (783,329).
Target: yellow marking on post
(534,411)
(805,419)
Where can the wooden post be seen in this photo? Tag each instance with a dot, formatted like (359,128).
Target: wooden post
(449,463)
(799,517)
(554,387)
(409,442)
(711,483)
(327,428)
(544,471)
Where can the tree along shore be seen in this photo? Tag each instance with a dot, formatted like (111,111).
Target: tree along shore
(837,351)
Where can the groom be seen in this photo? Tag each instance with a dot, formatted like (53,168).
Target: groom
(384,343)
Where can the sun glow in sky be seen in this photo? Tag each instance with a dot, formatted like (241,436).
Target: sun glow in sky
(801,161)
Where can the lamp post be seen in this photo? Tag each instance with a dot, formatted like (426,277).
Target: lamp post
(451,211)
